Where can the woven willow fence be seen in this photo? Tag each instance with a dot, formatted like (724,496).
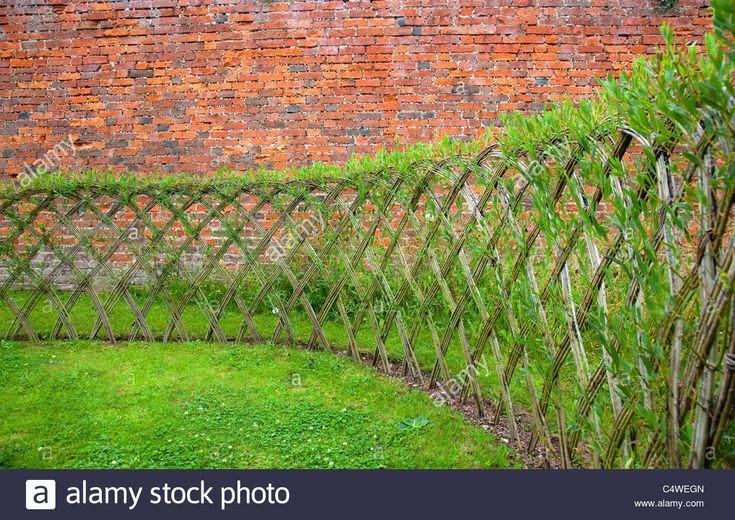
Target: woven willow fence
(589,271)
(479,256)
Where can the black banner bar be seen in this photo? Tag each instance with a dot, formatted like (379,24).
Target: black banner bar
(133,494)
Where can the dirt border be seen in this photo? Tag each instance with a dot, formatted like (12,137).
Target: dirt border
(490,422)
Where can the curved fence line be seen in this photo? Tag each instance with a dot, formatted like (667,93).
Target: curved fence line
(592,279)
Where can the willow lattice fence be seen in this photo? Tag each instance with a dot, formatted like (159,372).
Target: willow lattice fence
(592,268)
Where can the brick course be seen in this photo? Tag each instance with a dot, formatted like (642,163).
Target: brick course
(189,85)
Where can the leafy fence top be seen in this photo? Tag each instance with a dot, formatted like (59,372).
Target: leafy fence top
(586,259)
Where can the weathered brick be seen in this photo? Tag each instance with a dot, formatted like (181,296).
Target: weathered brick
(157,87)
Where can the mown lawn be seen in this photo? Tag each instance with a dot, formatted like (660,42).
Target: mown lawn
(83,404)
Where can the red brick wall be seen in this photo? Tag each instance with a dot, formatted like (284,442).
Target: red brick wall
(189,85)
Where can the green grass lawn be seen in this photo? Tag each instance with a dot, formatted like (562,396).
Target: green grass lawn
(83,316)
(82,404)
